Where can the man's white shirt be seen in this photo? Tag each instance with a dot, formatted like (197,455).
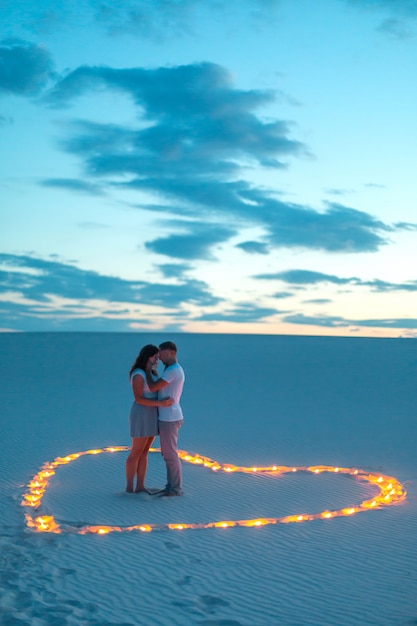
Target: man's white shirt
(175,377)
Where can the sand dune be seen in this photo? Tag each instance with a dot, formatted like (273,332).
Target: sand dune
(348,403)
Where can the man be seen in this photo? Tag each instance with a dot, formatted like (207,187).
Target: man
(170,419)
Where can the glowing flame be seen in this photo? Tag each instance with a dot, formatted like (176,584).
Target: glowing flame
(391,491)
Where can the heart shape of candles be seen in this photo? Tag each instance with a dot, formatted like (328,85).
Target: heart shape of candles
(391,491)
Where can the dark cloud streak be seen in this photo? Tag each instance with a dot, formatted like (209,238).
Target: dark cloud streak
(38,280)
(72,184)
(197,131)
(196,244)
(307,277)
(25,68)
(243,313)
(340,322)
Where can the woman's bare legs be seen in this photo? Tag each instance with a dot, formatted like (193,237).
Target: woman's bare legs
(143,466)
(137,463)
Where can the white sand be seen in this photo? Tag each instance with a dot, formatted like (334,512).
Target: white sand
(248,401)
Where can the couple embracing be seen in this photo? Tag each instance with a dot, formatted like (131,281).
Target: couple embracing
(156,410)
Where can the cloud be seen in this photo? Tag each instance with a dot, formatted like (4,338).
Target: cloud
(337,229)
(340,322)
(397,29)
(40,294)
(410,323)
(200,133)
(282,295)
(316,320)
(44,17)
(162,19)
(375,186)
(405,226)
(243,313)
(26,318)
(339,192)
(191,110)
(196,244)
(158,20)
(5,121)
(154,19)
(253,247)
(308,277)
(400,13)
(40,280)
(73,184)
(25,68)
(189,291)
(174,270)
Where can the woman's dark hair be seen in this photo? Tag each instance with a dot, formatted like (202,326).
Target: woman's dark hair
(143,356)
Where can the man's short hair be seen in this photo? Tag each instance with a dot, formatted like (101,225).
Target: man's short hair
(168,345)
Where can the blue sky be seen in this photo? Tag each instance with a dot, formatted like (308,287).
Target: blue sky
(206,166)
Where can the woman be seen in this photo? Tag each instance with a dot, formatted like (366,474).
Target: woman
(143,417)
